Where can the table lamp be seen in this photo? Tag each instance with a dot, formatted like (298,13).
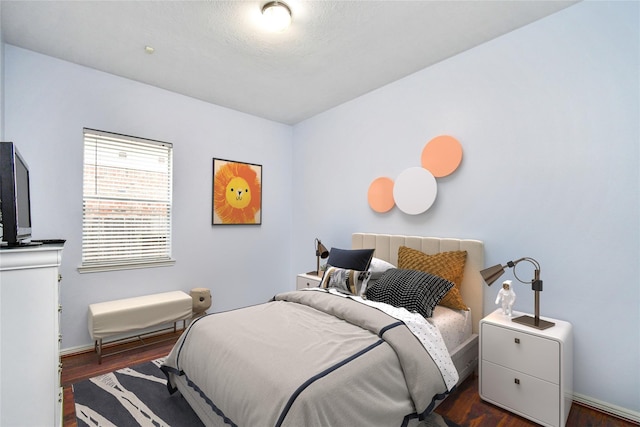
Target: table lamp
(492,274)
(321,252)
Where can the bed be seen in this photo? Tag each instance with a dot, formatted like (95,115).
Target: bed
(320,357)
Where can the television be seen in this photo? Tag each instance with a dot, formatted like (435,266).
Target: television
(15,199)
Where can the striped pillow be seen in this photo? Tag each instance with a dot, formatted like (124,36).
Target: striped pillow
(350,281)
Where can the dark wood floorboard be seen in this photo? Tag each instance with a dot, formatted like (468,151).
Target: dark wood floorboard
(463,407)
(466,408)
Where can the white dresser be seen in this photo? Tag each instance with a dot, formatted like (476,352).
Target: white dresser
(30,368)
(525,370)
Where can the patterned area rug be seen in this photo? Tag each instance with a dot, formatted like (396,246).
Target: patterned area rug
(131,397)
(138,396)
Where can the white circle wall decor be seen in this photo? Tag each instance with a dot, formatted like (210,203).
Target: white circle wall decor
(415,190)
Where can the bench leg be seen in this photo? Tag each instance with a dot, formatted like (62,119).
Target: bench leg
(98,349)
(175,325)
(98,343)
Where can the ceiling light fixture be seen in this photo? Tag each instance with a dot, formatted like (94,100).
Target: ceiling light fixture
(277,16)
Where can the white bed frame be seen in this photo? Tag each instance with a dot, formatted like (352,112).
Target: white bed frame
(465,356)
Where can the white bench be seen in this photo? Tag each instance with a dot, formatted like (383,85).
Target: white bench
(111,318)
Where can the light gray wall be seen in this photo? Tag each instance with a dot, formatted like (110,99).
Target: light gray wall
(548,120)
(48,102)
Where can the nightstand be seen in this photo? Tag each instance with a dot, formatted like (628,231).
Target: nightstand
(525,370)
(305,280)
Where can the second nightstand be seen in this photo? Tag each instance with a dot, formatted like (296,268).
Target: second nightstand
(305,280)
(525,370)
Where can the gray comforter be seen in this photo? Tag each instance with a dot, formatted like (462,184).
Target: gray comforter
(307,359)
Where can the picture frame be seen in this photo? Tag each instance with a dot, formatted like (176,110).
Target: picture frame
(237,193)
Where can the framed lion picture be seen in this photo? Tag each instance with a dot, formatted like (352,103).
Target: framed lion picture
(237,193)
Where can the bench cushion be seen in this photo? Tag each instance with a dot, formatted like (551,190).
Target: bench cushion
(133,314)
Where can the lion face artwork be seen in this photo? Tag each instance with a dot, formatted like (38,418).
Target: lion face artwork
(237,192)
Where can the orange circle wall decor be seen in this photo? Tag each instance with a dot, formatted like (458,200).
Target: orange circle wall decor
(380,194)
(442,155)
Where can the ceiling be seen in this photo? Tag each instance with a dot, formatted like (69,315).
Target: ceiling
(217,51)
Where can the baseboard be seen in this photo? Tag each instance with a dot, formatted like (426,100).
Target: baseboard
(608,408)
(76,350)
(120,339)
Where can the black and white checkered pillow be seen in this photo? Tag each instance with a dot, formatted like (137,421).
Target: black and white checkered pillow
(414,290)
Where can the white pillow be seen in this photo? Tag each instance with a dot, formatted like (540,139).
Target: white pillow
(378,267)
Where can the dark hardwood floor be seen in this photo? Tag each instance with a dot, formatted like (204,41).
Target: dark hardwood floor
(81,366)
(463,407)
(466,408)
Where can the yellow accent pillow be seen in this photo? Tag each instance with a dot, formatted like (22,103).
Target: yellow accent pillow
(448,265)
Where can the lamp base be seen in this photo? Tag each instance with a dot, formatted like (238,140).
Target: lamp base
(531,321)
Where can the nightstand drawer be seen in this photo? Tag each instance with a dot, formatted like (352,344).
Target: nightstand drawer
(304,281)
(534,355)
(529,396)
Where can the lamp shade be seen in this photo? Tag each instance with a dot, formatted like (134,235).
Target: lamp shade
(492,274)
(321,250)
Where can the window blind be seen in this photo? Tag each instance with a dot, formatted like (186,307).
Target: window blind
(127,193)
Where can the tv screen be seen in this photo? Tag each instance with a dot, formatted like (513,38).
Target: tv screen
(15,200)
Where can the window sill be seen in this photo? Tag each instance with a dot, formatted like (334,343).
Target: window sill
(99,268)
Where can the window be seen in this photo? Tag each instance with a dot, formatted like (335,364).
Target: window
(126,212)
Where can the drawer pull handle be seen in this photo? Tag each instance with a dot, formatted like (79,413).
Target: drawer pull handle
(517,340)
(517,381)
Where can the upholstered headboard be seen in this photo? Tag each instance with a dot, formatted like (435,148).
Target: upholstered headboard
(472,287)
